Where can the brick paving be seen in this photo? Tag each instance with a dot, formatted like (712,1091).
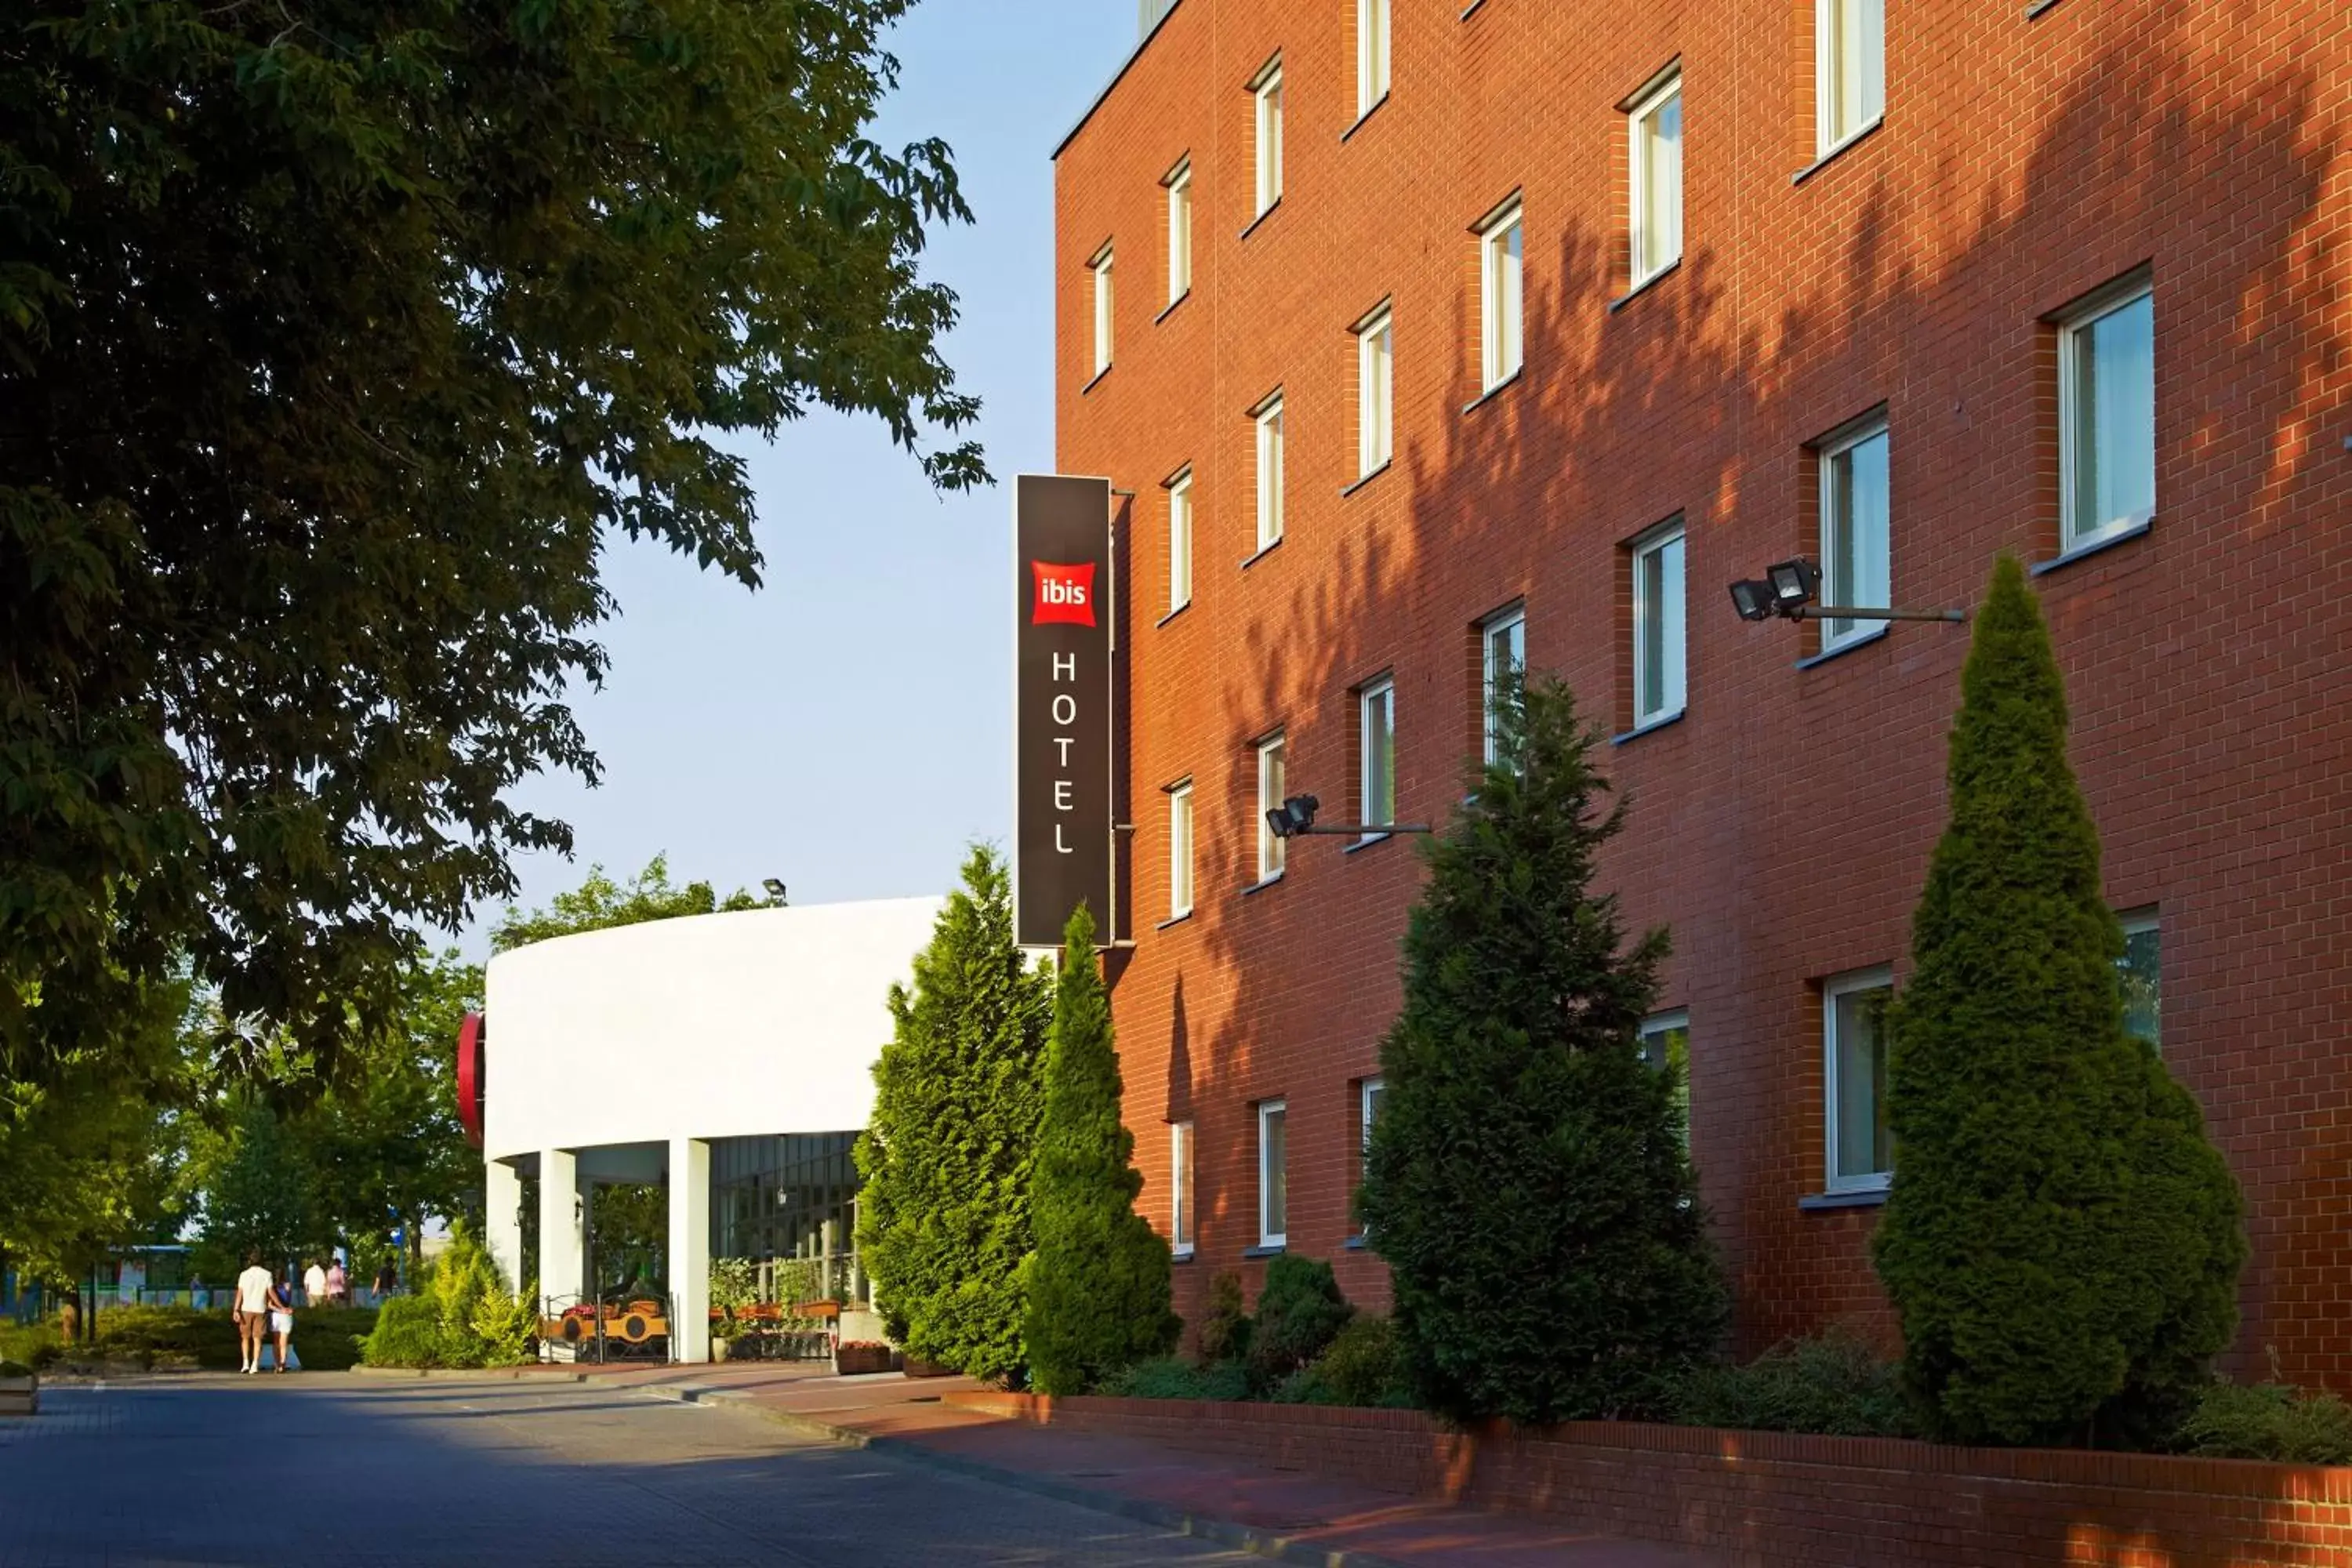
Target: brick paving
(362,1472)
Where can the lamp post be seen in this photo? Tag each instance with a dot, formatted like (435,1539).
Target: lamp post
(1787,591)
(775,889)
(1294,818)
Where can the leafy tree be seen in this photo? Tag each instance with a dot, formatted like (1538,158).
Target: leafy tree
(256,1179)
(944,1216)
(337,340)
(1099,1282)
(1527,1179)
(600,902)
(2062,1242)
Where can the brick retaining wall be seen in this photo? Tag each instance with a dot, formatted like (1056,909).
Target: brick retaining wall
(1770,1499)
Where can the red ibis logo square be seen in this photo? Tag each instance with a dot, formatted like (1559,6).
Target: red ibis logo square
(1064,593)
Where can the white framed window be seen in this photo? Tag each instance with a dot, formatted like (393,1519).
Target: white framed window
(1376,722)
(1375,392)
(1100,266)
(1273,1173)
(1269,471)
(1267,92)
(1856,531)
(2107,413)
(1180,851)
(1270,848)
(1368,1094)
(1666,1043)
(1180,231)
(1654,145)
(1503,642)
(1371,54)
(1854,1030)
(1179,541)
(1849,70)
(2141,970)
(1180,1188)
(1502,297)
(1658,649)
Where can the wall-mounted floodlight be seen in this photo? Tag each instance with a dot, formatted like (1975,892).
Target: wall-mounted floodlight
(1788,590)
(775,891)
(1296,817)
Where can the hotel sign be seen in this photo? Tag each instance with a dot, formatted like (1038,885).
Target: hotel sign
(1062,699)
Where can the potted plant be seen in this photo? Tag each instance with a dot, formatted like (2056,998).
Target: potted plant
(723,1330)
(20,1389)
(853,1358)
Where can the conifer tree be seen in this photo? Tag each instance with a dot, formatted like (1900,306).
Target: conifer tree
(1098,1283)
(944,1217)
(2061,1241)
(1529,1182)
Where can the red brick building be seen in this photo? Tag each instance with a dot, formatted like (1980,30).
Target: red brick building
(1575,313)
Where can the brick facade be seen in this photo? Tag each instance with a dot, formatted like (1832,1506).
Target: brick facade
(1782,826)
(1775,1499)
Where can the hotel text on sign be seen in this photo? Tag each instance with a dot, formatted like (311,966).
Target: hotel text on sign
(1062,697)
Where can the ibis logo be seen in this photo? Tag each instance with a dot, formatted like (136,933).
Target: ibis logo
(1064,593)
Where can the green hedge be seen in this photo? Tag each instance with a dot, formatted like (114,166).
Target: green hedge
(169,1336)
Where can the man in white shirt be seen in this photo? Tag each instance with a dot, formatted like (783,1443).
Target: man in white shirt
(252,1311)
(314,1284)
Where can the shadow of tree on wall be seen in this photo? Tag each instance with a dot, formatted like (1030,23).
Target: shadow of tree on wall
(1783,827)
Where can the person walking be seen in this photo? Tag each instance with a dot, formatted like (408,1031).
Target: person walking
(281,1321)
(338,1285)
(251,1310)
(314,1284)
(386,1281)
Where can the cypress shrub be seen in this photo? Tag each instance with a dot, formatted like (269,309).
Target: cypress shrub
(2062,1243)
(1527,1180)
(943,1219)
(1225,1326)
(1099,1282)
(1299,1312)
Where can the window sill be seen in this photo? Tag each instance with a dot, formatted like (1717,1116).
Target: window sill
(1090,386)
(1818,164)
(1859,639)
(1649,725)
(1355,1244)
(1494,391)
(1262,884)
(1366,842)
(1170,309)
(2093,545)
(2039,6)
(1867,1198)
(1265,1250)
(1262,551)
(1173,920)
(1171,615)
(1367,114)
(1266,211)
(1350,489)
(1645,285)
(1473,5)
(1180,1255)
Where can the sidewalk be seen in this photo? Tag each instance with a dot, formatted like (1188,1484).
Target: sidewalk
(1287,1514)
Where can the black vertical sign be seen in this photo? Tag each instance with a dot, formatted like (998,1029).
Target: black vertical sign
(1062,696)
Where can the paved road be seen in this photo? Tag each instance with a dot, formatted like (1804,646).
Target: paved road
(325,1471)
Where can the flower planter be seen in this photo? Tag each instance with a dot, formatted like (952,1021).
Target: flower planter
(20,1395)
(721,1350)
(916,1366)
(857,1360)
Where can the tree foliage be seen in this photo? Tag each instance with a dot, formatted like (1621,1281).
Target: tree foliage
(1527,1179)
(1099,1282)
(959,1093)
(337,340)
(600,902)
(2062,1242)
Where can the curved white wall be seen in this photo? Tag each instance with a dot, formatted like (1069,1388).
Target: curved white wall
(708,1027)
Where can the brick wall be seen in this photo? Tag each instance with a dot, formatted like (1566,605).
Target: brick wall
(1782,828)
(1769,1499)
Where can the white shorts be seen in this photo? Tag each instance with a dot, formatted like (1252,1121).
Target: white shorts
(281,1322)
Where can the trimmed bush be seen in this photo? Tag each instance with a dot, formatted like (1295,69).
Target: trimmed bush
(2062,1243)
(1365,1364)
(1225,1326)
(1527,1181)
(1171,1377)
(1099,1282)
(1299,1311)
(407,1333)
(14,1369)
(465,1317)
(944,1216)
(1834,1386)
(2268,1421)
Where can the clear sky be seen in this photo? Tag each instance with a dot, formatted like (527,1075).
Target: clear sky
(847,728)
